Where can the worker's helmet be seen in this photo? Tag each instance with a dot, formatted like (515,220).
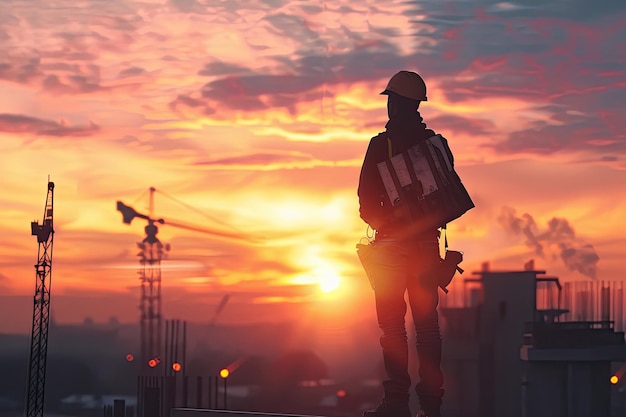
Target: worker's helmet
(407,84)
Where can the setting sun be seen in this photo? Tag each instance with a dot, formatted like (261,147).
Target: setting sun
(326,277)
(329,283)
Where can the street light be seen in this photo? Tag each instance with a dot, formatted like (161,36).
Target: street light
(224,373)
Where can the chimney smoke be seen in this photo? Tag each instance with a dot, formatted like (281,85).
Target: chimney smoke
(558,237)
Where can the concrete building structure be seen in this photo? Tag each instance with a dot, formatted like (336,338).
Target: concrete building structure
(509,352)
(567,368)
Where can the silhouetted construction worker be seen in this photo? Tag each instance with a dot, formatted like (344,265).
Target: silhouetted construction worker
(403,262)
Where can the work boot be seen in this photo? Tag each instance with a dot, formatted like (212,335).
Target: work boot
(389,409)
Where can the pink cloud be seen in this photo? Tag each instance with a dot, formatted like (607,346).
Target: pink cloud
(16,123)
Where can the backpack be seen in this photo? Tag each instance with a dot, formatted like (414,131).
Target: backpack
(422,186)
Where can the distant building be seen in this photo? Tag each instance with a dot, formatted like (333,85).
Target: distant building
(508,347)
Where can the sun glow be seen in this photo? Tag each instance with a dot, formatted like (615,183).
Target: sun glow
(324,275)
(329,283)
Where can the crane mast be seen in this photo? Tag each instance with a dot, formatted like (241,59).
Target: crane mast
(41,310)
(152,252)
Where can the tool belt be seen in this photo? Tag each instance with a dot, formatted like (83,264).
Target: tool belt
(444,274)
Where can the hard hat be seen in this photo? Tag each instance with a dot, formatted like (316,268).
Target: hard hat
(407,84)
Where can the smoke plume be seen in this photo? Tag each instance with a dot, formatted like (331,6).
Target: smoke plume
(559,238)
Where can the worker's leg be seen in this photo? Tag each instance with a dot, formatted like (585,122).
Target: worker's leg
(423,298)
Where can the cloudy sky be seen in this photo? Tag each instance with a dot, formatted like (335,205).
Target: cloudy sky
(252,117)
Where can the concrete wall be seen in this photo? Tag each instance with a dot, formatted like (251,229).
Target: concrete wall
(562,389)
(460,361)
(509,302)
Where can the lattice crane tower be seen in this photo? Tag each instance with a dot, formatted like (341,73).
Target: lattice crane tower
(41,310)
(151,253)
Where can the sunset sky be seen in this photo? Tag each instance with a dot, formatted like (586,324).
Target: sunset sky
(253,117)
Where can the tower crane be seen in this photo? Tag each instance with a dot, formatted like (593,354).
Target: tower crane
(152,252)
(41,310)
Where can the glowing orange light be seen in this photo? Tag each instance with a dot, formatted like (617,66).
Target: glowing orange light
(341,393)
(152,363)
(176,366)
(224,373)
(614,379)
(130,357)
